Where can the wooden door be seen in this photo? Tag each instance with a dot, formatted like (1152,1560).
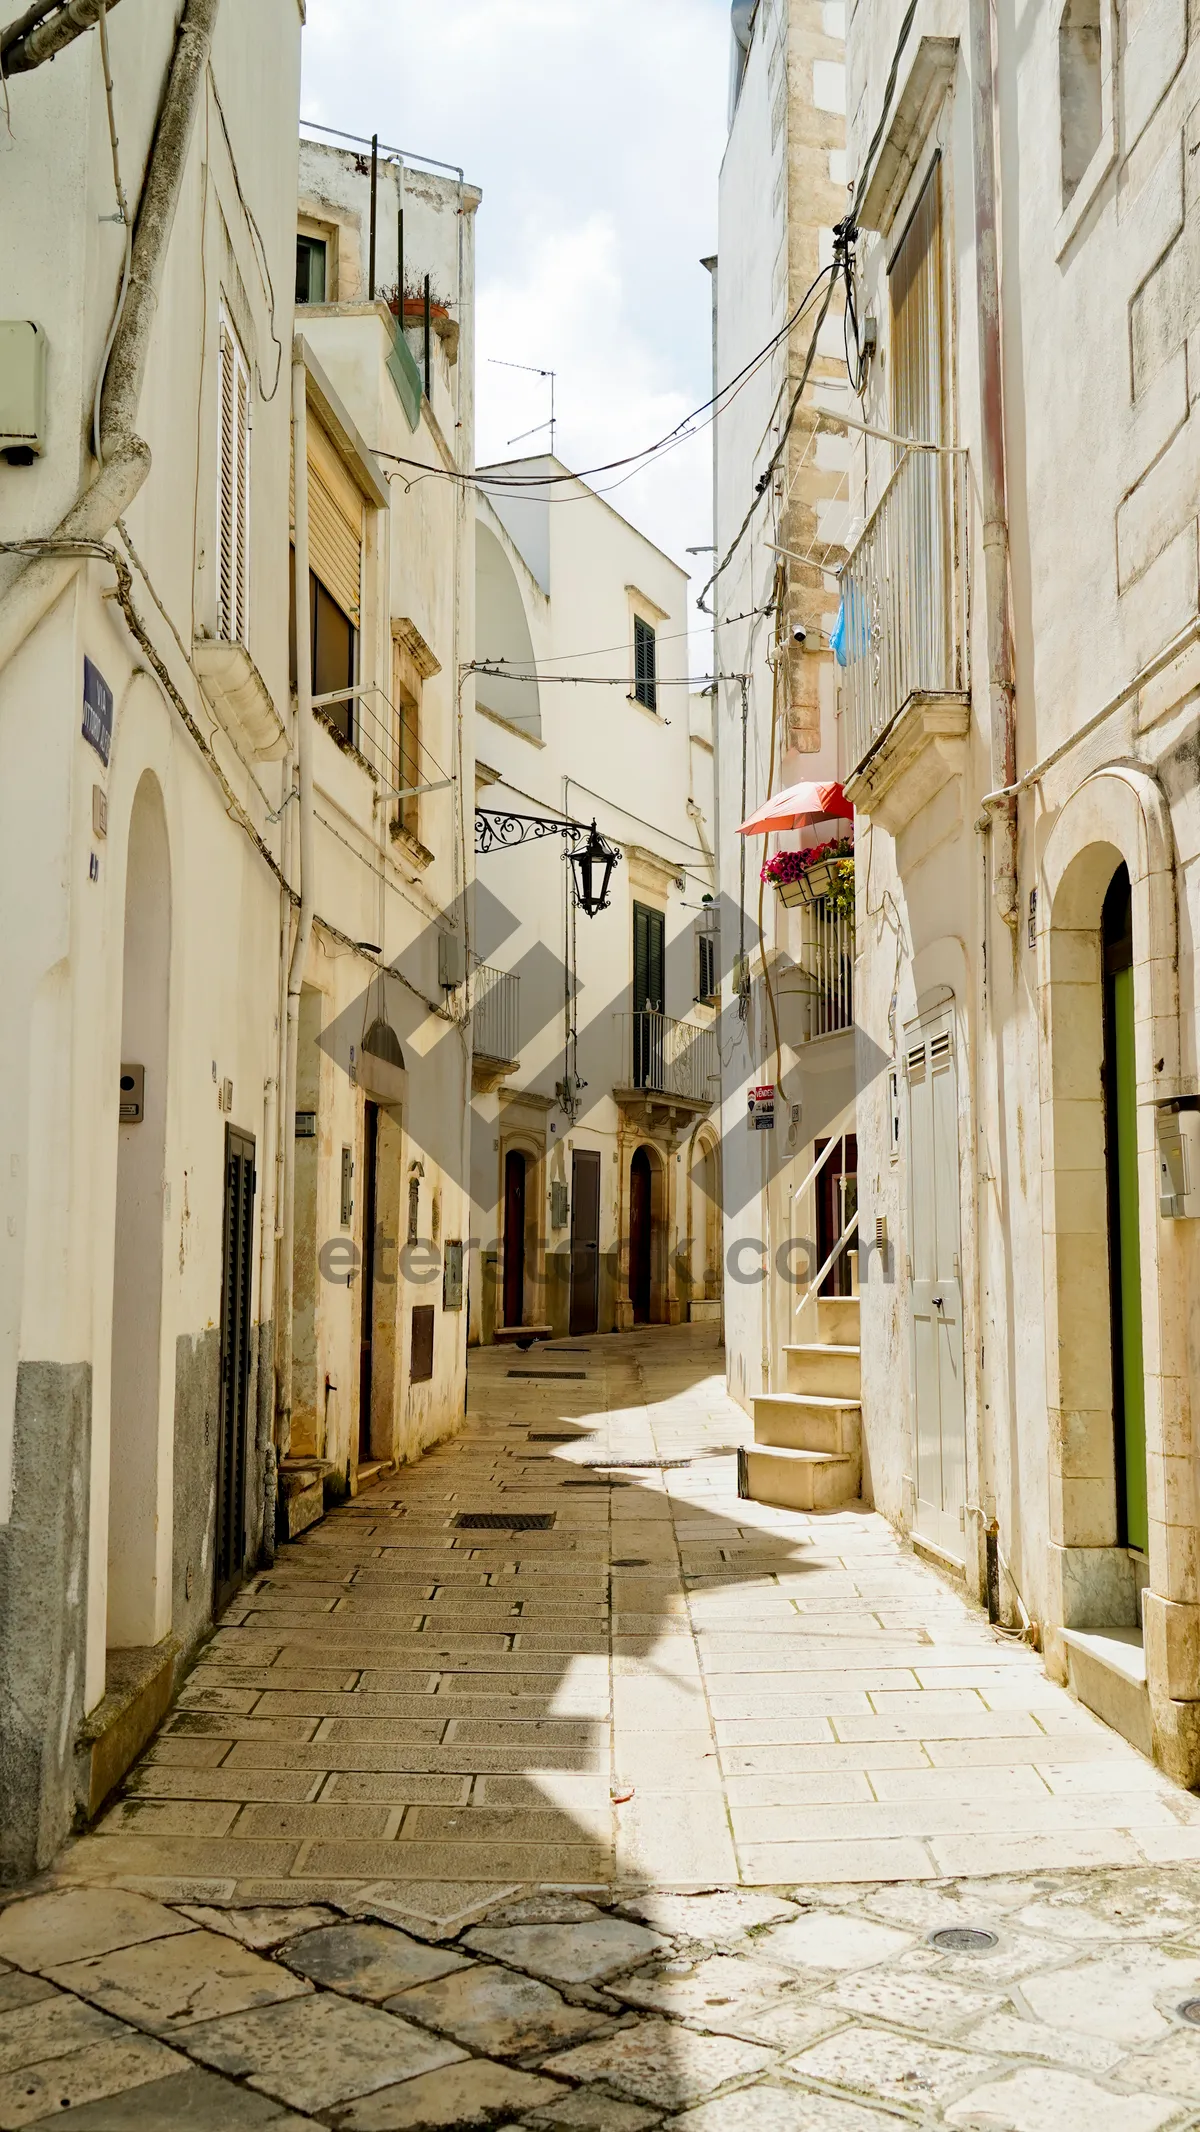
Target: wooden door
(641,1237)
(1124,1242)
(585,1242)
(514,1238)
(233,1431)
(366,1379)
(939,1399)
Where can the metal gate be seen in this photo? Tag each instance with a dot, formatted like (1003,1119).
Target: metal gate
(939,1403)
(234,1432)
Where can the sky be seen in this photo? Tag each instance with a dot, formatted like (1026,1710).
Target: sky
(595,129)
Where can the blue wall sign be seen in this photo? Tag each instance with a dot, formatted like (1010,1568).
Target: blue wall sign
(97,711)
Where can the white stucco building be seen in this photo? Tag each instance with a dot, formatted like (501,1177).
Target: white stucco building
(228,1275)
(596,1166)
(1019,734)
(782,514)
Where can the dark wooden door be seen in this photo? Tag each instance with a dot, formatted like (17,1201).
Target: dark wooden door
(514,1238)
(229,1565)
(367,1298)
(1124,1244)
(585,1243)
(641,1237)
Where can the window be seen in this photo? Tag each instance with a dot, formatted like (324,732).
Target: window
(408,718)
(333,654)
(312,257)
(1081,116)
(420,1367)
(233,487)
(707,982)
(645,664)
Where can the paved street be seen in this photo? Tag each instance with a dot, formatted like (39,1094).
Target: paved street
(440,1834)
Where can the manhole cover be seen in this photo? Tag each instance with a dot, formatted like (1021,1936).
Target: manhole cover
(505,1521)
(1190,2012)
(963,1939)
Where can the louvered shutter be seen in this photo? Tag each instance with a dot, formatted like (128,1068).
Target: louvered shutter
(648,935)
(335,524)
(645,669)
(233,488)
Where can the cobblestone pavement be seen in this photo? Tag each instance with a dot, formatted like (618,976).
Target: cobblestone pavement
(441,1833)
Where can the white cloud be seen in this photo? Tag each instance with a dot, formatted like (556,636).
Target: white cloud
(595,131)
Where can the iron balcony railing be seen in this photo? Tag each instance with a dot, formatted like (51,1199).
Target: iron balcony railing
(826,961)
(669,1058)
(905,597)
(495,1014)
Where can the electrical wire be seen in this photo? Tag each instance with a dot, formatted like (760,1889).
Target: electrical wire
(515,484)
(261,259)
(127,222)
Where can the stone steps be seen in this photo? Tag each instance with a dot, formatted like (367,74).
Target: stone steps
(793,1479)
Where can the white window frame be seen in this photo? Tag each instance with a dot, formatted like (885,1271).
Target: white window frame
(235,424)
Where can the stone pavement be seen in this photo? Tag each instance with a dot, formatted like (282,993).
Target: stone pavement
(425,1841)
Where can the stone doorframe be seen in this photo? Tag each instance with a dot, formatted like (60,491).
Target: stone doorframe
(1118,814)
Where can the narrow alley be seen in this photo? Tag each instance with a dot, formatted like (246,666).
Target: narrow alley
(546,1783)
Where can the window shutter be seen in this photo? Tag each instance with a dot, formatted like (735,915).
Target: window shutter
(233,491)
(645,669)
(641,956)
(335,524)
(656,960)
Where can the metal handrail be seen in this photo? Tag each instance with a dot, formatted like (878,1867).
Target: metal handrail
(814,1285)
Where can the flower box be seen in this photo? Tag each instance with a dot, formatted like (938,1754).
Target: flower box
(800,877)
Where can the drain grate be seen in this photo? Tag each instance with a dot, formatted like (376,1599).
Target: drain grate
(629,1562)
(963,1939)
(505,1521)
(550,1376)
(593,1485)
(636,1465)
(557,1436)
(1190,2012)
(568,1350)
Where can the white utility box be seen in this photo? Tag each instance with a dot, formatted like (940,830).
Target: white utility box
(1179,1158)
(22,390)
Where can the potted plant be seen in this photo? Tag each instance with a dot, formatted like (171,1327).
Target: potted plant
(821,870)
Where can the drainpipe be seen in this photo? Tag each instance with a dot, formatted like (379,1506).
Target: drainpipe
(304,925)
(1001,706)
(125,457)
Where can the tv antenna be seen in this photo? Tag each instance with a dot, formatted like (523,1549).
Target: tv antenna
(533,370)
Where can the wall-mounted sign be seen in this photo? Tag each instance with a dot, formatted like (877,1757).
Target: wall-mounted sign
(97,711)
(761,1115)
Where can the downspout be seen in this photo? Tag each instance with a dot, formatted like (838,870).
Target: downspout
(304,925)
(125,457)
(713,268)
(1001,706)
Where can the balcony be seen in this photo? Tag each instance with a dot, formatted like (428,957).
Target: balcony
(495,1026)
(905,701)
(667,1067)
(824,979)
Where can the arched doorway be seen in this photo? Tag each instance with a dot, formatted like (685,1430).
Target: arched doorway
(1124,1244)
(139,1535)
(641,1237)
(514,1237)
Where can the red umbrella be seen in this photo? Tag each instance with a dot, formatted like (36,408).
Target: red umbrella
(800,803)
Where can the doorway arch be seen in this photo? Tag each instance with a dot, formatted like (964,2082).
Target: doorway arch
(1116,822)
(647,1230)
(139,1535)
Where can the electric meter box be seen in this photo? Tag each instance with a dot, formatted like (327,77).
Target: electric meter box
(452,961)
(1179,1158)
(22,389)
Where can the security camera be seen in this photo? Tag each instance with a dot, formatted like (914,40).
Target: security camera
(799,633)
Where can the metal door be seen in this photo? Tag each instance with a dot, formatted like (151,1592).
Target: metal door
(229,1551)
(939,1403)
(585,1242)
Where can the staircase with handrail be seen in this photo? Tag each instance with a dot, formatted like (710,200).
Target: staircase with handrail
(807,1449)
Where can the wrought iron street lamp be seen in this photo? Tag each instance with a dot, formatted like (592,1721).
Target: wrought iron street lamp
(591,857)
(592,867)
